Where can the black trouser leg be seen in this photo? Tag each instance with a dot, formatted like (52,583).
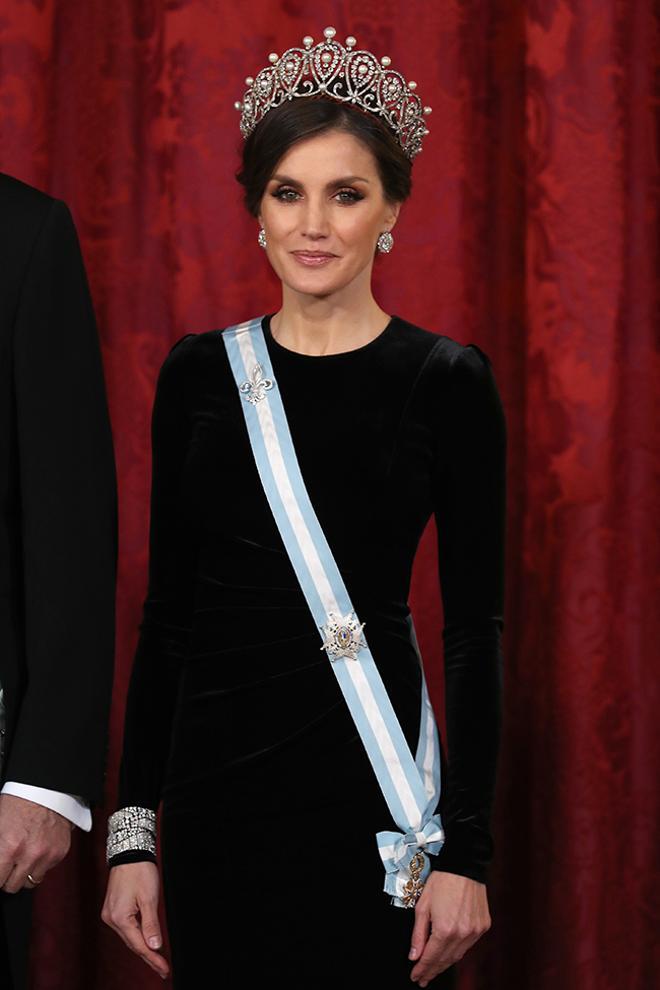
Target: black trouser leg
(15,921)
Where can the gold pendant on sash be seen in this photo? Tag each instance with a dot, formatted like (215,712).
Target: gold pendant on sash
(413,888)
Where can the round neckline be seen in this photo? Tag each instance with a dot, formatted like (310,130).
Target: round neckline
(363,348)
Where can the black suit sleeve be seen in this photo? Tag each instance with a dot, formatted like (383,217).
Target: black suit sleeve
(68,518)
(470,497)
(168,606)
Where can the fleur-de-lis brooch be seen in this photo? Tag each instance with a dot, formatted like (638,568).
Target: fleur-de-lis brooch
(343,636)
(255,388)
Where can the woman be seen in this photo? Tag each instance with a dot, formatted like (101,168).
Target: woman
(235,721)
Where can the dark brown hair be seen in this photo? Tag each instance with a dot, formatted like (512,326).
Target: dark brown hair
(296,119)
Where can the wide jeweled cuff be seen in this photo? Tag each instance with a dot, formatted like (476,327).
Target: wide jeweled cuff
(129,829)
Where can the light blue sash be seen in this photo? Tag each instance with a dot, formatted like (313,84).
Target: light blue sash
(411,787)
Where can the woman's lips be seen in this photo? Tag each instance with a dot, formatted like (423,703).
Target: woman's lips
(312,260)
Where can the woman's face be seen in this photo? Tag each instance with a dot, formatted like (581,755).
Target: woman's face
(325,195)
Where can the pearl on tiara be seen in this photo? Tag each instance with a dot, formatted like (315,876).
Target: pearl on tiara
(343,74)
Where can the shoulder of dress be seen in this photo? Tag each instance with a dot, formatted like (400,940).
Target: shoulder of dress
(442,346)
(178,360)
(177,343)
(471,363)
(473,353)
(193,358)
(177,355)
(439,350)
(472,382)
(193,345)
(456,358)
(447,365)
(204,345)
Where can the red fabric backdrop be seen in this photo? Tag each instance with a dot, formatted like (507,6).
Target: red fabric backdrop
(532,231)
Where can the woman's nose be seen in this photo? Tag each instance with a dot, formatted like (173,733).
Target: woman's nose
(314,220)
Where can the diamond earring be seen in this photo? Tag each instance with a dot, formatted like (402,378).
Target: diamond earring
(385,242)
(262,238)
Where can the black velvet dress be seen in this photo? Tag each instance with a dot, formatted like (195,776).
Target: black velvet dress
(235,720)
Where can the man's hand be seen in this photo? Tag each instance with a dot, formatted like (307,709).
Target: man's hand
(456,910)
(33,840)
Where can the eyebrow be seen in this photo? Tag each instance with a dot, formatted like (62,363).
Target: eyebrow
(345,180)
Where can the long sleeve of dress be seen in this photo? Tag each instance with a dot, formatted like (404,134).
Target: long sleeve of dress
(469,494)
(167,610)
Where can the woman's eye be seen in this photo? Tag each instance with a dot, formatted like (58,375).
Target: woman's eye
(283,195)
(354,196)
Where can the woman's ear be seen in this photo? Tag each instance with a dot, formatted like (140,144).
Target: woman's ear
(393,215)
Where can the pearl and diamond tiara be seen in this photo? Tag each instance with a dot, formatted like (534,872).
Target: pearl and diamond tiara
(330,69)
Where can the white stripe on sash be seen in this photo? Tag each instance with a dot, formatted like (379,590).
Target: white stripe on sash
(410,787)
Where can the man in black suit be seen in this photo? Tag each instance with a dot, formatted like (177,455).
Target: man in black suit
(58,554)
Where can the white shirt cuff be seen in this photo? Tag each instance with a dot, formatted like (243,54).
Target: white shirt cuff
(69,805)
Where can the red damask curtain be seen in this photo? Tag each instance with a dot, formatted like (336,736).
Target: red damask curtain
(532,231)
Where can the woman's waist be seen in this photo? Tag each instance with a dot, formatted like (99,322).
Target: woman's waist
(238,619)
(255,703)
(268,666)
(250,574)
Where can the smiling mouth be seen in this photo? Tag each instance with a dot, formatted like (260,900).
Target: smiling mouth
(313,259)
(314,254)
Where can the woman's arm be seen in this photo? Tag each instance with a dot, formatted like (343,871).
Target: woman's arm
(165,626)
(470,510)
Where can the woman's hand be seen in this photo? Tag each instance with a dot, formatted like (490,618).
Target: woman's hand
(131,908)
(456,908)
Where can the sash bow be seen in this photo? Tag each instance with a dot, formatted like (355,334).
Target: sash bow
(397,850)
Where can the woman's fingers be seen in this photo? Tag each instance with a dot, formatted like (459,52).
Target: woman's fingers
(420,932)
(130,931)
(150,925)
(439,953)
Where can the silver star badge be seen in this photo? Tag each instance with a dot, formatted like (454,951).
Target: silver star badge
(255,388)
(343,636)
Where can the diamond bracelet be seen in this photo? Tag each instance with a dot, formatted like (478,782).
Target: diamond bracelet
(129,829)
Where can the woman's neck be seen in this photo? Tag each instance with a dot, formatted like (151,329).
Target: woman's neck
(322,330)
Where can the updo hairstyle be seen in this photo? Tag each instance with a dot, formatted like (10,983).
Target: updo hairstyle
(280,128)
